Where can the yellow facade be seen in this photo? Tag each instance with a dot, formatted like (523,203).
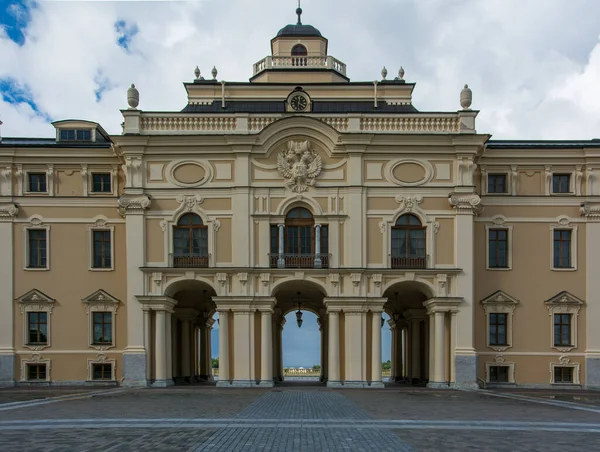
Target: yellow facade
(299,186)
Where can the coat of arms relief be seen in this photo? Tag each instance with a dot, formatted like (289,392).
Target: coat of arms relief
(299,165)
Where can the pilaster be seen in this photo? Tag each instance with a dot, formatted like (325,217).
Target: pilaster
(7,346)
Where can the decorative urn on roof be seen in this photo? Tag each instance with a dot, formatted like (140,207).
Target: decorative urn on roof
(133,97)
(466,98)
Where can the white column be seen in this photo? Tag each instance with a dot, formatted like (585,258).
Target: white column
(431,347)
(415,349)
(275,336)
(209,329)
(185,348)
(174,349)
(394,370)
(169,346)
(224,376)
(160,371)
(7,295)
(376,350)
(355,348)
(318,260)
(243,348)
(439,350)
(453,328)
(280,259)
(148,342)
(266,346)
(334,349)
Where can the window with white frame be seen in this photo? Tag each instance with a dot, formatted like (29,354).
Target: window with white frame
(564,371)
(101,246)
(35,369)
(36,182)
(498,246)
(500,371)
(497,183)
(101,308)
(36,245)
(563,238)
(101,369)
(101,182)
(561,183)
(36,309)
(563,309)
(499,310)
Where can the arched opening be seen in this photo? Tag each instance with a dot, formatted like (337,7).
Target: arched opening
(190,242)
(299,243)
(300,337)
(409,332)
(194,332)
(408,243)
(299,50)
(386,348)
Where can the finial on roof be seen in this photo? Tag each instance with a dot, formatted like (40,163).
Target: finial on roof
(133,97)
(197,73)
(214,72)
(384,72)
(400,74)
(299,12)
(466,98)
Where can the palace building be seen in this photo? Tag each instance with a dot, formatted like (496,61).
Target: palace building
(296,188)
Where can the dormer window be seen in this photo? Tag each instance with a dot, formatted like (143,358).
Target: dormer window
(299,50)
(75,135)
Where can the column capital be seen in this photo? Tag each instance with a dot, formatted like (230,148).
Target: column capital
(590,211)
(443,304)
(466,203)
(317,226)
(8,212)
(156,303)
(133,204)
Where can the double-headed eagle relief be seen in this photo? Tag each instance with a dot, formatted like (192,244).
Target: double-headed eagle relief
(299,165)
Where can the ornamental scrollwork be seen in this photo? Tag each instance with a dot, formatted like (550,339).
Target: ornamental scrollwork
(466,203)
(299,165)
(132,204)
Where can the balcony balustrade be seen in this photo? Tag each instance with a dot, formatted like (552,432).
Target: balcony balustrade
(299,260)
(291,62)
(188,260)
(409,262)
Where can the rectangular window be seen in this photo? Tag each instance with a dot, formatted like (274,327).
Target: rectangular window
(103,328)
(496,183)
(561,183)
(499,374)
(563,374)
(37,182)
(76,135)
(498,248)
(37,248)
(36,372)
(37,325)
(102,371)
(562,330)
(498,324)
(101,183)
(274,239)
(562,248)
(101,250)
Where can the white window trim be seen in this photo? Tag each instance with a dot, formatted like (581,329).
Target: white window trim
(508,182)
(36,301)
(90,182)
(100,224)
(101,359)
(499,223)
(565,361)
(500,362)
(571,175)
(23,180)
(35,222)
(35,359)
(564,223)
(499,303)
(101,301)
(564,303)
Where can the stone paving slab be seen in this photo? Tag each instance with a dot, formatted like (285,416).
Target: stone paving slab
(9,395)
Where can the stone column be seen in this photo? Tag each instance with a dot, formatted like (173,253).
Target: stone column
(394,372)
(276,345)
(224,376)
(318,261)
(175,350)
(148,342)
(281,259)
(453,325)
(376,380)
(132,206)
(243,343)
(415,347)
(169,346)
(407,352)
(209,329)
(266,352)
(202,371)
(439,359)
(280,339)
(160,371)
(185,349)
(7,296)
(355,349)
(334,350)
(431,346)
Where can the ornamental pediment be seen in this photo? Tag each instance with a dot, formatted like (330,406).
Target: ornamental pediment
(499,297)
(35,296)
(101,300)
(564,298)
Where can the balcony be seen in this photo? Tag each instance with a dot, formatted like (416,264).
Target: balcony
(299,260)
(410,262)
(292,62)
(188,261)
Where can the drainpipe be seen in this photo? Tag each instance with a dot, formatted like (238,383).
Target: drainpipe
(375,93)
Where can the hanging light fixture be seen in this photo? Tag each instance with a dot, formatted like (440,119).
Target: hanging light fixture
(299,312)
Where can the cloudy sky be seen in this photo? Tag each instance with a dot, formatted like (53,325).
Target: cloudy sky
(533,65)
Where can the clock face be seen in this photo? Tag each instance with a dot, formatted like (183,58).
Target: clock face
(298,102)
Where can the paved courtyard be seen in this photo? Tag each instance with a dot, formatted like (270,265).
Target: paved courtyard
(297,418)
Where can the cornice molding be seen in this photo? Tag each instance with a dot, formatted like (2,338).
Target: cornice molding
(591,211)
(8,212)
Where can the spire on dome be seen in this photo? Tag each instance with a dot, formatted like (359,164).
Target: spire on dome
(299,12)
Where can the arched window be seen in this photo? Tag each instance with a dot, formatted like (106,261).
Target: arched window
(299,232)
(408,243)
(299,50)
(190,242)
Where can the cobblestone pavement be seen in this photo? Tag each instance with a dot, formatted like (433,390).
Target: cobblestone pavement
(298,419)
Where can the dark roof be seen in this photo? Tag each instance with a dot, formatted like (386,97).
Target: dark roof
(541,144)
(299,30)
(51,142)
(279,107)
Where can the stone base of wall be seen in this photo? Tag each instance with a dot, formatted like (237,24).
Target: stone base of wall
(162,383)
(134,370)
(438,385)
(266,383)
(466,372)
(592,373)
(7,371)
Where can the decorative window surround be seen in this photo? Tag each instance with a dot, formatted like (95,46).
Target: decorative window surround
(100,224)
(36,301)
(575,180)
(564,303)
(511,181)
(35,222)
(23,180)
(100,301)
(190,204)
(564,223)
(101,359)
(499,222)
(88,180)
(565,361)
(499,303)
(36,358)
(500,361)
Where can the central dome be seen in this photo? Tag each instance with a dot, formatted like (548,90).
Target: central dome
(299,30)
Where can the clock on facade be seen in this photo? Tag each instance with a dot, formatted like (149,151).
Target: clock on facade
(298,102)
